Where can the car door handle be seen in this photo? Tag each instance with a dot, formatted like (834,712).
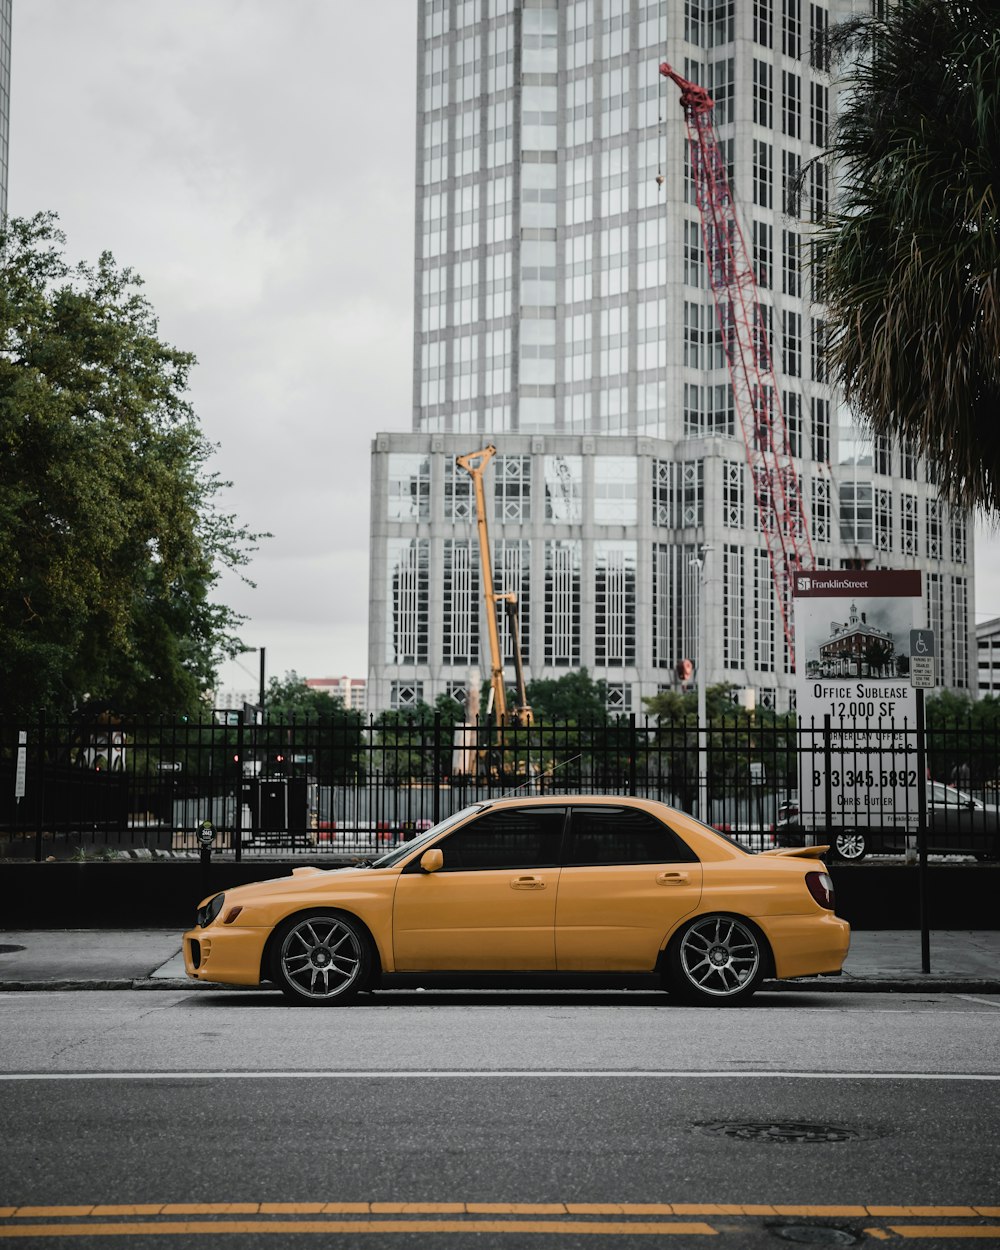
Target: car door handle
(672,878)
(527,883)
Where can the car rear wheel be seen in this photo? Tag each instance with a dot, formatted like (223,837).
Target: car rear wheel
(321,959)
(850,845)
(716,960)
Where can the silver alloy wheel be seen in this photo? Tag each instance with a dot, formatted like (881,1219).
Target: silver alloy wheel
(719,956)
(850,845)
(320,958)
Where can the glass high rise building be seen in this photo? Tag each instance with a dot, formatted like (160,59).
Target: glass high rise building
(562,312)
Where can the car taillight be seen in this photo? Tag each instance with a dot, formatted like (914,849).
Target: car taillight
(821,888)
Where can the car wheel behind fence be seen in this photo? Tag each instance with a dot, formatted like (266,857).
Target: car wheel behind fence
(716,960)
(321,959)
(850,845)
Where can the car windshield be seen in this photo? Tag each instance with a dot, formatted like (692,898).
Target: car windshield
(400,852)
(949,795)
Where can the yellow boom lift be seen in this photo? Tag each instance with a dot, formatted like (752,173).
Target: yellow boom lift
(475,464)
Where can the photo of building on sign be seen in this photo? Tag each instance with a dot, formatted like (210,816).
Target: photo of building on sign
(857,648)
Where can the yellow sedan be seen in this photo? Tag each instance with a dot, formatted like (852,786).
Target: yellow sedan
(590,884)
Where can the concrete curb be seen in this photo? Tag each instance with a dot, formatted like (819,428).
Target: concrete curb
(825,985)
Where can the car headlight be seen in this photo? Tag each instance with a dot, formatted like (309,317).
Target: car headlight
(211,909)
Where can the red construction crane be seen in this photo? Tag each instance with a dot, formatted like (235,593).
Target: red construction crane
(756,398)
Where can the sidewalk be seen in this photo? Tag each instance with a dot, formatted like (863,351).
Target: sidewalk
(149,959)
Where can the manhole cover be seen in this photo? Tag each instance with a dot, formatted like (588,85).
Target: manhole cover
(815,1235)
(9,950)
(784,1131)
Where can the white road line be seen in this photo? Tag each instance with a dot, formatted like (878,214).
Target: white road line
(987,1002)
(498,1074)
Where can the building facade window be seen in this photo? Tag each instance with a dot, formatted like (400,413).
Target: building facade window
(732,494)
(821,509)
(562,602)
(820,413)
(883,521)
(564,489)
(512,575)
(935,547)
(733,639)
(763,613)
(763,93)
(614,603)
(909,539)
(460,602)
(512,489)
(960,631)
(615,482)
(856,512)
(409,487)
(408,594)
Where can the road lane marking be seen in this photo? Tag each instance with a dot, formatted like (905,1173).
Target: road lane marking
(498,1208)
(928,1212)
(987,1002)
(946,1231)
(381,1074)
(244,1228)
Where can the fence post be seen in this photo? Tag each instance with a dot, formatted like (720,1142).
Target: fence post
(827,776)
(40,783)
(632,752)
(438,779)
(925,936)
(238,813)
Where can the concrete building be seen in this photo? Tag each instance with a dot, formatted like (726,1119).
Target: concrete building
(988,657)
(562,312)
(5,42)
(352,691)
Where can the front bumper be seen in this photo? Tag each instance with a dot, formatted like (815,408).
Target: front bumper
(228,955)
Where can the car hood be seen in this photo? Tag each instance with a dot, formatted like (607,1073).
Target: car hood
(291,884)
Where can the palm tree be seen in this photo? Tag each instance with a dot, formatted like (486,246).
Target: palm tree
(908,260)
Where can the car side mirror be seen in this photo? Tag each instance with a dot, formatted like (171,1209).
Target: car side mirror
(432,860)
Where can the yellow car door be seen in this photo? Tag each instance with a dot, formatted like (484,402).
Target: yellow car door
(626,880)
(491,905)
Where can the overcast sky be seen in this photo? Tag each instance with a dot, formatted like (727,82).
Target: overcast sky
(253,161)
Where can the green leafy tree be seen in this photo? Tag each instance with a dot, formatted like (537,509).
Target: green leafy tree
(911,254)
(306,731)
(111,539)
(963,739)
(739,747)
(575,698)
(403,739)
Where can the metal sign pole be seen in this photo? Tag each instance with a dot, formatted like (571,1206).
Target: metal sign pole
(925,936)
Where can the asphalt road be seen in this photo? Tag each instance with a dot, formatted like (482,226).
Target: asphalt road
(498,1119)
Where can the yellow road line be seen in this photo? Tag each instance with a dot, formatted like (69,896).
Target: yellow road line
(947,1231)
(845,1211)
(175,1228)
(945,1212)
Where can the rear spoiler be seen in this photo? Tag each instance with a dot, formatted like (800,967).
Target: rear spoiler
(799,852)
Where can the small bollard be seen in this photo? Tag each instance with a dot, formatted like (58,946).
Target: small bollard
(206,836)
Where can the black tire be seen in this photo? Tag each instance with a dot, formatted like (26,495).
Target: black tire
(850,845)
(717,960)
(321,958)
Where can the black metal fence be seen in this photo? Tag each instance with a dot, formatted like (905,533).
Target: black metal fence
(81,791)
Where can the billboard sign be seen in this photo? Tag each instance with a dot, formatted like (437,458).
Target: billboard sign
(852,645)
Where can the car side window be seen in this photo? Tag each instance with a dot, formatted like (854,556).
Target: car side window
(507,838)
(622,835)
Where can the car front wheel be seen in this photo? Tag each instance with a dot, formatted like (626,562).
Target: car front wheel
(850,845)
(716,960)
(321,959)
